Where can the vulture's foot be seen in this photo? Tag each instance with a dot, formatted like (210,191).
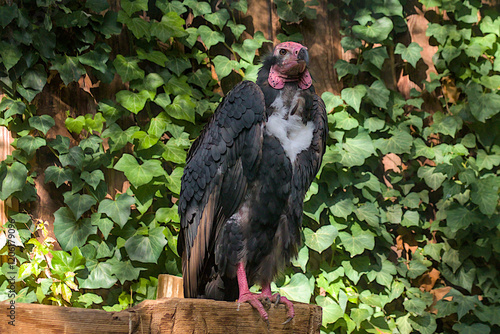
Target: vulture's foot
(277,299)
(257,301)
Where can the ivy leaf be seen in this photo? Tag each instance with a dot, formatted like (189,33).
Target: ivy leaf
(12,107)
(321,239)
(10,53)
(171,25)
(78,203)
(378,94)
(42,123)
(171,6)
(357,241)
(146,248)
(302,259)
(236,29)
(178,65)
(14,180)
(139,174)
(58,175)
(118,210)
(432,179)
(146,140)
(353,96)
(356,150)
(376,32)
(30,144)
(127,68)
(298,289)
(210,37)
(94,178)
(344,68)
(101,277)
(219,18)
(73,158)
(400,142)
(95,59)
(35,78)
(174,180)
(485,194)
(459,217)
(331,310)
(105,225)
(132,6)
(69,232)
(485,161)
(124,270)
(134,102)
(182,108)
(174,152)
(198,8)
(482,105)
(376,56)
(411,53)
(415,305)
(117,137)
(69,68)
(97,6)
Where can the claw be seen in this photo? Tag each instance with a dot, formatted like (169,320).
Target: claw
(287,321)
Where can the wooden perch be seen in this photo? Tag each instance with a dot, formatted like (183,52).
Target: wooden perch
(168,315)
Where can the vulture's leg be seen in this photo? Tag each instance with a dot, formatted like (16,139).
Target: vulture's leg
(277,299)
(247,296)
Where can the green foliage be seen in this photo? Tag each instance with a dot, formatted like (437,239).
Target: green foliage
(405,192)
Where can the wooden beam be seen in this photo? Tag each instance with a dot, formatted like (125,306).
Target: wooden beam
(166,316)
(169,286)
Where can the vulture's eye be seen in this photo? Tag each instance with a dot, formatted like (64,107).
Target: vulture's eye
(283,52)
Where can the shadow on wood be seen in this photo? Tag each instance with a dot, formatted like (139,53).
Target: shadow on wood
(168,315)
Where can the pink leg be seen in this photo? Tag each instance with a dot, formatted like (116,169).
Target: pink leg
(247,296)
(277,299)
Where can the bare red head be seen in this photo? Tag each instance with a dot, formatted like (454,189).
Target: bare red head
(291,65)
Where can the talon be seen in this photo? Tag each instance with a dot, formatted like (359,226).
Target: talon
(277,301)
(287,320)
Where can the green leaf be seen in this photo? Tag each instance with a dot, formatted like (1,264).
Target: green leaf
(42,123)
(73,158)
(415,306)
(219,18)
(35,78)
(344,121)
(378,94)
(356,150)
(14,180)
(298,289)
(12,107)
(94,178)
(75,124)
(171,25)
(178,65)
(10,54)
(124,270)
(132,6)
(30,144)
(97,6)
(353,96)
(118,210)
(105,225)
(146,248)
(139,174)
(134,102)
(8,13)
(58,175)
(376,56)
(78,203)
(198,8)
(236,29)
(224,66)
(357,241)
(101,277)
(321,239)
(128,68)
(376,32)
(171,6)
(302,259)
(182,108)
(399,143)
(459,217)
(477,328)
(411,53)
(483,105)
(344,68)
(95,59)
(485,194)
(69,232)
(485,161)
(331,310)
(146,140)
(69,68)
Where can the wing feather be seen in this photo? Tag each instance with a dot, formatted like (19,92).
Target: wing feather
(218,168)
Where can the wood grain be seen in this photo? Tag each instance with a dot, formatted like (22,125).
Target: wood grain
(167,316)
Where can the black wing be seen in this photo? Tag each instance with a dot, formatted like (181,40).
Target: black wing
(219,166)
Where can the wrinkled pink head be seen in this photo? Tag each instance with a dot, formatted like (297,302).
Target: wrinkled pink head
(291,66)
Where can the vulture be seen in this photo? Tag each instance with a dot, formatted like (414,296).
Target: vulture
(243,186)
